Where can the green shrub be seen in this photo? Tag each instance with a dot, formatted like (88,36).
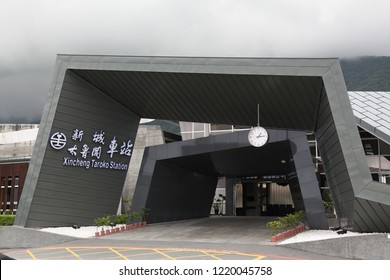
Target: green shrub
(135,216)
(111,219)
(327,200)
(98,222)
(102,221)
(119,219)
(7,220)
(290,220)
(275,226)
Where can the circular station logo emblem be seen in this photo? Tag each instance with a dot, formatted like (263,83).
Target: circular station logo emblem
(58,140)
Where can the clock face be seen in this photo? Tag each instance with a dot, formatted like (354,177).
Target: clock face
(258,136)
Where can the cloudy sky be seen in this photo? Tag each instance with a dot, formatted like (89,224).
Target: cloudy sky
(34,32)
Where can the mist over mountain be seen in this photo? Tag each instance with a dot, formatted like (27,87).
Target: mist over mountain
(367,73)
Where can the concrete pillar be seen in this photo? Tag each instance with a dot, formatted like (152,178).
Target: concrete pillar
(230,182)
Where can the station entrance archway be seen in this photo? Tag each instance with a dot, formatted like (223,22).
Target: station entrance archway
(105,96)
(178,180)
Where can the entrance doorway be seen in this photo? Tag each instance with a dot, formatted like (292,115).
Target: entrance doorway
(262,198)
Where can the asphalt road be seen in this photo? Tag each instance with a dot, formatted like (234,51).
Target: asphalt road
(215,238)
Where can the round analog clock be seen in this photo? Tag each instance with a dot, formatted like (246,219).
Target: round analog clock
(258,136)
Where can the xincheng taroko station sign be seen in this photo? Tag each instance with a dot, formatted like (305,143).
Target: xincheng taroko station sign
(81,153)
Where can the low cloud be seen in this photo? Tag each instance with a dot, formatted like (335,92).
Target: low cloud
(34,32)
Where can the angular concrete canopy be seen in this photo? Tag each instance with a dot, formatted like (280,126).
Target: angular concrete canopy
(178,180)
(301,94)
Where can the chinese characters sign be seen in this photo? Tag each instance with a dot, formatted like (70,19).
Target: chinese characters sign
(82,154)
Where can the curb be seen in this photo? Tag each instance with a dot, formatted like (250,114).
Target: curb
(121,228)
(288,233)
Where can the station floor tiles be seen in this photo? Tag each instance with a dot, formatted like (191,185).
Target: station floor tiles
(133,253)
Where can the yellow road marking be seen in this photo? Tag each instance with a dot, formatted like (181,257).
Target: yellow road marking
(83,252)
(207,254)
(31,254)
(165,255)
(143,254)
(98,251)
(73,253)
(119,254)
(190,257)
(46,253)
(249,255)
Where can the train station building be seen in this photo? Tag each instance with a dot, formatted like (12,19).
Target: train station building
(87,134)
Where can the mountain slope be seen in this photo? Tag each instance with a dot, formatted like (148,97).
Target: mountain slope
(368,73)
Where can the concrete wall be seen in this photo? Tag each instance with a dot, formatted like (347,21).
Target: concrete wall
(17,237)
(365,247)
(147,135)
(16,127)
(17,141)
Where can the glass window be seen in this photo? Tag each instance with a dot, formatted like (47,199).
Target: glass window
(198,126)
(9,189)
(3,181)
(198,135)
(16,181)
(2,196)
(241,127)
(185,126)
(16,191)
(370,146)
(221,127)
(9,181)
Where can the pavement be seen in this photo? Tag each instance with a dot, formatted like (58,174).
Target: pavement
(214,238)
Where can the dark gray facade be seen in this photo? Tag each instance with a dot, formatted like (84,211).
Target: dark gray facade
(178,180)
(59,195)
(301,94)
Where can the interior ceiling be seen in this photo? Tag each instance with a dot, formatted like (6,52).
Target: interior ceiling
(285,101)
(270,159)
